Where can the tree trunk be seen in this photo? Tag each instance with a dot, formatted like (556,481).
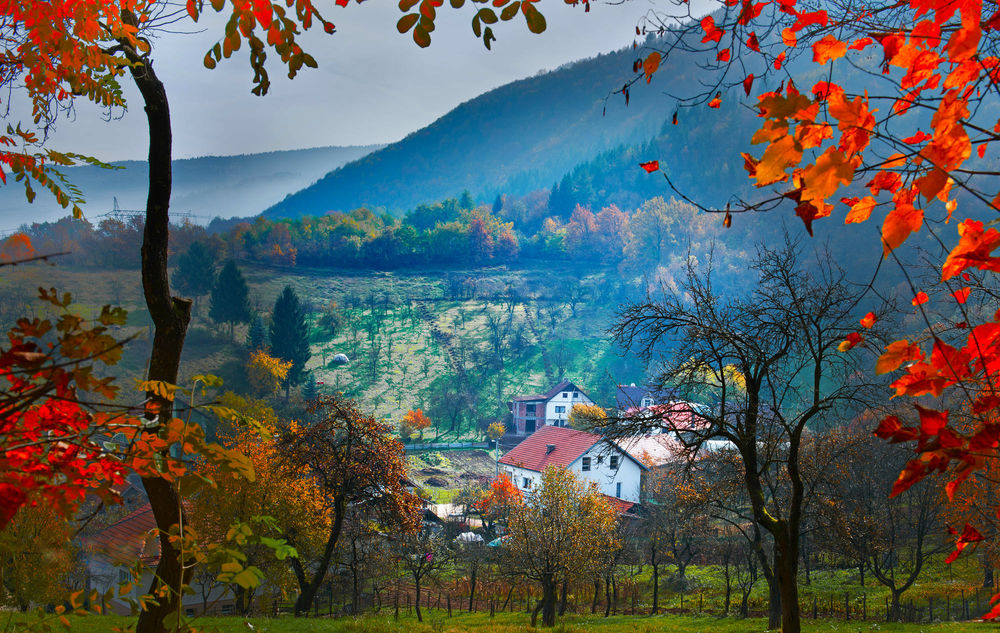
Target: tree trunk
(987,574)
(472,586)
(420,617)
(170,318)
(549,601)
(656,588)
(597,595)
(607,596)
(894,610)
(774,603)
(309,588)
(785,569)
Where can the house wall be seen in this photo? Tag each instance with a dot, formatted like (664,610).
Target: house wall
(563,400)
(520,416)
(518,476)
(627,473)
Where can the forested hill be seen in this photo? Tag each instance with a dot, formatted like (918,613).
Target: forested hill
(517,138)
(207,186)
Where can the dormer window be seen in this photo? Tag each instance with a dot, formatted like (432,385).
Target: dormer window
(565,394)
(647,402)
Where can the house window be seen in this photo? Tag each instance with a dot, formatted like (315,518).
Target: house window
(525,483)
(529,408)
(227,609)
(647,402)
(618,490)
(586,464)
(613,461)
(565,394)
(576,394)
(124,576)
(560,409)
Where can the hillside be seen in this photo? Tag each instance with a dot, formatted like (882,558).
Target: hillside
(207,187)
(517,138)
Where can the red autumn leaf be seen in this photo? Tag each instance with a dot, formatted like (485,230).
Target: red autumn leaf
(779,60)
(752,42)
(748,84)
(868,320)
(716,101)
(920,299)
(851,341)
(931,420)
(896,354)
(723,55)
(712,32)
(961,295)
(651,166)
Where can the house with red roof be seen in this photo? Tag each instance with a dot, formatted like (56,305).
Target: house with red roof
(590,457)
(111,556)
(532,412)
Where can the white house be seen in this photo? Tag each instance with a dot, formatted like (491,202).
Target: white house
(530,413)
(591,457)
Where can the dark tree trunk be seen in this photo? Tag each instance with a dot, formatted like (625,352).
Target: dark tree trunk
(785,564)
(472,585)
(549,601)
(420,617)
(656,588)
(170,318)
(562,598)
(309,588)
(597,595)
(607,597)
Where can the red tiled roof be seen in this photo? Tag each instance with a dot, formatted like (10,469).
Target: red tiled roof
(620,505)
(128,539)
(531,453)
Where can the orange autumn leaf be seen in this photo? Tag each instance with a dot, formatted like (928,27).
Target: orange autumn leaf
(827,49)
(650,65)
(920,299)
(903,220)
(974,250)
(868,320)
(962,295)
(716,101)
(896,354)
(861,209)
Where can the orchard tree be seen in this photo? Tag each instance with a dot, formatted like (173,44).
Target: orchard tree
(289,335)
(230,301)
(768,362)
(352,459)
(561,527)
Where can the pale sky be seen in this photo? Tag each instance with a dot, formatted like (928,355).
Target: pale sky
(373,85)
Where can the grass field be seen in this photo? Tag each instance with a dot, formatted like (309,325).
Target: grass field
(440,622)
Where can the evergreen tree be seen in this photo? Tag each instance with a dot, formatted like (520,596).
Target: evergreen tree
(289,335)
(257,335)
(498,205)
(195,271)
(230,301)
(310,390)
(466,202)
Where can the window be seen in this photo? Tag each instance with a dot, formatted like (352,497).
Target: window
(525,483)
(576,394)
(586,464)
(647,402)
(613,461)
(124,575)
(529,408)
(618,490)
(565,394)
(560,409)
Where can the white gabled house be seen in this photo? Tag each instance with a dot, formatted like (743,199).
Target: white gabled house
(552,408)
(590,457)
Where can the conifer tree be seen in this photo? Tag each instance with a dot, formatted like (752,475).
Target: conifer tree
(195,272)
(289,335)
(230,301)
(257,338)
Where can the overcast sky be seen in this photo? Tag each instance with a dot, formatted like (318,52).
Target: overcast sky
(373,85)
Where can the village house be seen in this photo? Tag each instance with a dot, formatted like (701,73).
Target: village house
(588,456)
(530,413)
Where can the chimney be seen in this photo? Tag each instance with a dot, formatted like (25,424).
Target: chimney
(549,448)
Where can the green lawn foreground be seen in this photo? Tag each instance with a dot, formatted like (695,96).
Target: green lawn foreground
(439,622)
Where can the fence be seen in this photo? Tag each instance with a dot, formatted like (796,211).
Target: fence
(633,600)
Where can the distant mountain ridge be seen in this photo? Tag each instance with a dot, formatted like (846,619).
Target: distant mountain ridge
(520,137)
(207,186)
